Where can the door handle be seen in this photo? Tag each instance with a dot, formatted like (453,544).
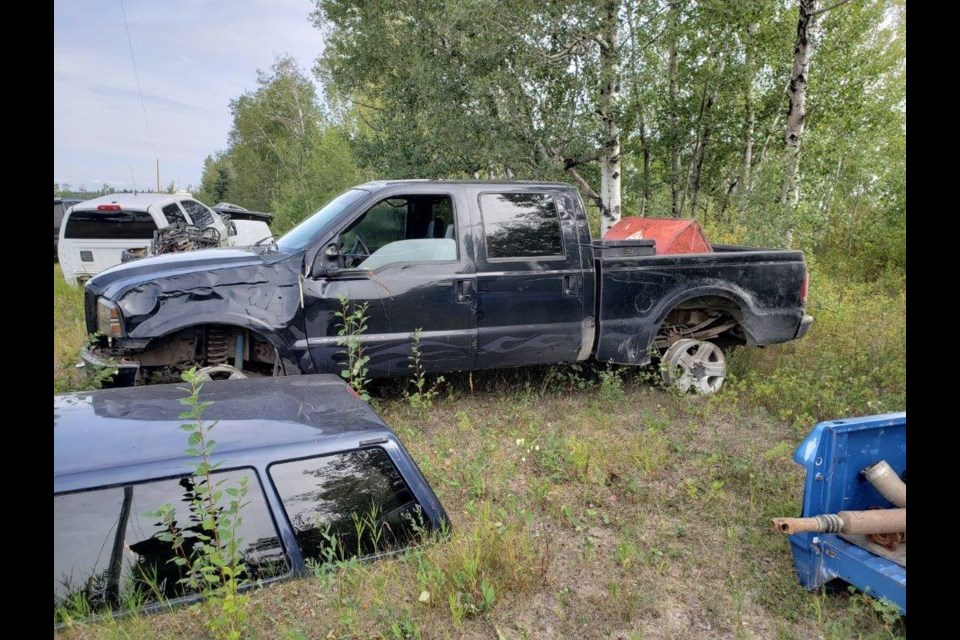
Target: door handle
(463,289)
(571,285)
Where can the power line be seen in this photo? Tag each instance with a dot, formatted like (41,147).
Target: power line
(137,75)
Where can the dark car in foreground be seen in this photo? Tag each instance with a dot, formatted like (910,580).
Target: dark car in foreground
(317,459)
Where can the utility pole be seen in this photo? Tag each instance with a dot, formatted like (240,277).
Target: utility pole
(158,175)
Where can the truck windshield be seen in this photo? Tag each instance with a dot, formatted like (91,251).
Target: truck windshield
(305,232)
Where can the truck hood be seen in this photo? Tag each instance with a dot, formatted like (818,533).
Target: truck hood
(114,281)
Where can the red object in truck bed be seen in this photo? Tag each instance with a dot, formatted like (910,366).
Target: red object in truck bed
(673,235)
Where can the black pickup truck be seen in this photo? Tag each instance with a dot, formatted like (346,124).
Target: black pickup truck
(494,274)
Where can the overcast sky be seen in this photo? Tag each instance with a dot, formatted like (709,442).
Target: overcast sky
(193,56)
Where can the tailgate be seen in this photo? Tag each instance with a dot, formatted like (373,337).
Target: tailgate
(90,257)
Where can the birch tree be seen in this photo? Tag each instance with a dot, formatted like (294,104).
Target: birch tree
(543,81)
(797,104)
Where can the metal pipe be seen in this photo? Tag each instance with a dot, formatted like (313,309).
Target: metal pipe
(885,480)
(851,522)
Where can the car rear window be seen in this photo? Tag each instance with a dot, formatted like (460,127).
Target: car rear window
(173,214)
(110,225)
(201,217)
(348,504)
(94,531)
(521,225)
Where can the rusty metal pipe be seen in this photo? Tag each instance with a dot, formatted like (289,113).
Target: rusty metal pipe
(851,522)
(885,480)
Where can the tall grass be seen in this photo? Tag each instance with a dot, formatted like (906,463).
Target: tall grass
(69,332)
(851,363)
(584,506)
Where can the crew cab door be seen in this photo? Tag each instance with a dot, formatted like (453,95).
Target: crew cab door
(529,279)
(203,217)
(404,257)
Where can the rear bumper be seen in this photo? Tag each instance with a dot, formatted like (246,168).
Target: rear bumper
(94,365)
(805,323)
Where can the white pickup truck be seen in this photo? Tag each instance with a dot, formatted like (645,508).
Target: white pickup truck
(95,233)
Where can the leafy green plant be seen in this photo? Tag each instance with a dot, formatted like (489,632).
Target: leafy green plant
(422,396)
(611,382)
(353,322)
(214,567)
(467,604)
(885,612)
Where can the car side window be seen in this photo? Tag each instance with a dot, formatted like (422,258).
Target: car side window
(200,214)
(401,230)
(521,225)
(107,548)
(348,504)
(174,215)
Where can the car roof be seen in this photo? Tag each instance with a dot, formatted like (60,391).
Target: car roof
(132,201)
(112,428)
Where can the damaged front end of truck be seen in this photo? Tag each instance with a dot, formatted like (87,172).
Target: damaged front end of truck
(229,312)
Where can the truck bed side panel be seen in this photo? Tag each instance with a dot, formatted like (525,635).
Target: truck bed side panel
(636,294)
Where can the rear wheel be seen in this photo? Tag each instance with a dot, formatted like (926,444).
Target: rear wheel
(694,365)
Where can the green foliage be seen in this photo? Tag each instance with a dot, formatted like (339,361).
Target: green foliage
(422,395)
(67,190)
(215,566)
(886,613)
(852,362)
(431,94)
(70,336)
(611,382)
(353,322)
(217,178)
(284,153)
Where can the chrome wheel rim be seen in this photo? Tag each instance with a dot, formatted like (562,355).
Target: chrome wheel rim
(694,365)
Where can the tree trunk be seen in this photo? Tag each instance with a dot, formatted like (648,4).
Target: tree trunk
(645,150)
(675,189)
(610,169)
(696,165)
(744,181)
(797,107)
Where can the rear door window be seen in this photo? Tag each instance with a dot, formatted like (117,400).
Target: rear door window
(200,215)
(348,504)
(106,549)
(521,225)
(174,215)
(110,225)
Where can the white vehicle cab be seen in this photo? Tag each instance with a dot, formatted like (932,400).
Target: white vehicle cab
(95,233)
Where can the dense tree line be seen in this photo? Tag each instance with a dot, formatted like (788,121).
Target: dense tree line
(776,122)
(284,152)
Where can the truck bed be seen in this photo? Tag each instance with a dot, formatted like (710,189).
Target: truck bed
(761,286)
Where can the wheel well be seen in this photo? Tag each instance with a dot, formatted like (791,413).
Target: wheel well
(712,318)
(210,345)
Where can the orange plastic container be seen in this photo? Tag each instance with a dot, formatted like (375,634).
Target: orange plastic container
(673,235)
